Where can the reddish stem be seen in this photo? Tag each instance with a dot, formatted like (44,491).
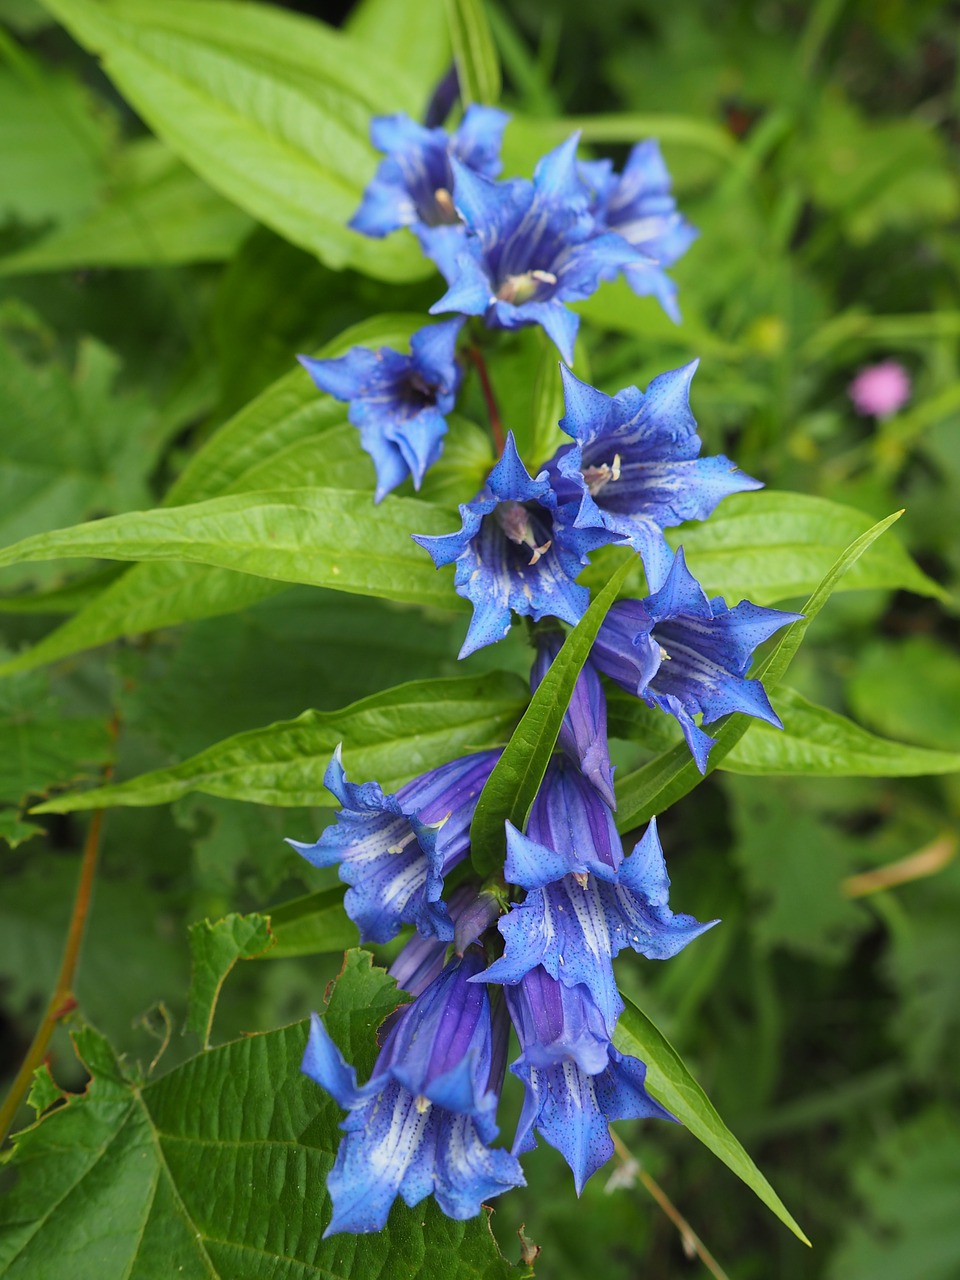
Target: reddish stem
(496,426)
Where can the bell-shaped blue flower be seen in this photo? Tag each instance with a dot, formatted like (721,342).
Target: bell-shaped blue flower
(423,1122)
(585,902)
(394,850)
(399,403)
(583,734)
(413,186)
(575,1081)
(638,204)
(687,654)
(534,247)
(635,468)
(472,910)
(517,549)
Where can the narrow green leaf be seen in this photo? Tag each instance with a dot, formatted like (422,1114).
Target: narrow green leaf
(215,947)
(389,736)
(312,925)
(671,775)
(516,778)
(474,52)
(670,1082)
(268,107)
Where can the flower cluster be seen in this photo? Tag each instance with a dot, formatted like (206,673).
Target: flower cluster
(532,947)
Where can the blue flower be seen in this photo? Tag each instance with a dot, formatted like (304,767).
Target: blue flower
(398,402)
(421,959)
(516,549)
(638,205)
(413,185)
(585,902)
(423,1122)
(533,247)
(583,734)
(575,1081)
(685,654)
(394,850)
(635,468)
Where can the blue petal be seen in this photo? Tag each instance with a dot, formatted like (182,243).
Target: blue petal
(468,1172)
(556,177)
(433,351)
(324,1063)
(470,287)
(478,138)
(569,1116)
(345,377)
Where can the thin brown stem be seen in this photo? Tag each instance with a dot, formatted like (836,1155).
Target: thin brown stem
(691,1241)
(496,426)
(62,1001)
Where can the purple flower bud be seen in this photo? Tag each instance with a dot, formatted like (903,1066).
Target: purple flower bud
(583,734)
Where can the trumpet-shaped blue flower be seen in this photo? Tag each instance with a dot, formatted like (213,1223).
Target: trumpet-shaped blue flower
(635,468)
(423,1122)
(585,902)
(685,654)
(638,205)
(583,734)
(413,186)
(533,248)
(516,549)
(399,403)
(575,1081)
(394,850)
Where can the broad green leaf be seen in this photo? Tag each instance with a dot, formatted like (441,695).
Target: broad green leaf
(510,790)
(216,1171)
(909,688)
(389,736)
(670,776)
(268,107)
(311,925)
(411,33)
(670,1082)
(215,947)
(286,416)
(478,66)
(154,212)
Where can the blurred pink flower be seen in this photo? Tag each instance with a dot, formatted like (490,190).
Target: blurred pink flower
(881,389)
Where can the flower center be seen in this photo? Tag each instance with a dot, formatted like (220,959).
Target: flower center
(597,478)
(523,288)
(514,519)
(445,213)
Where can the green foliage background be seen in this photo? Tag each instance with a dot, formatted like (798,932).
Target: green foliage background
(156,279)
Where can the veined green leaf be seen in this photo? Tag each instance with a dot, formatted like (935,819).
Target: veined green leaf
(270,108)
(671,1083)
(312,925)
(390,736)
(215,947)
(478,66)
(516,778)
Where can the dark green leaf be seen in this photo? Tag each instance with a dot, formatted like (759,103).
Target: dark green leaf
(312,925)
(474,52)
(516,778)
(215,947)
(670,1082)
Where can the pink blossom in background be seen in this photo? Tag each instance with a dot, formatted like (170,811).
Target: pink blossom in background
(880,390)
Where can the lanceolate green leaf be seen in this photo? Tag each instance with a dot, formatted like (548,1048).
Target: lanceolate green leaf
(670,776)
(312,925)
(270,108)
(513,784)
(389,737)
(670,1082)
(217,1170)
(475,54)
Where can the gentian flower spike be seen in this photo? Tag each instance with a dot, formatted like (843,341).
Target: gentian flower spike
(685,654)
(635,467)
(575,1081)
(533,248)
(424,1121)
(583,734)
(413,186)
(585,902)
(399,403)
(516,549)
(394,850)
(638,205)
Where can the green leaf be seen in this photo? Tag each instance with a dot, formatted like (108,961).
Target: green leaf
(516,778)
(268,107)
(909,688)
(216,1171)
(389,736)
(670,1082)
(155,212)
(411,33)
(215,947)
(772,545)
(670,776)
(312,925)
(44,1091)
(478,66)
